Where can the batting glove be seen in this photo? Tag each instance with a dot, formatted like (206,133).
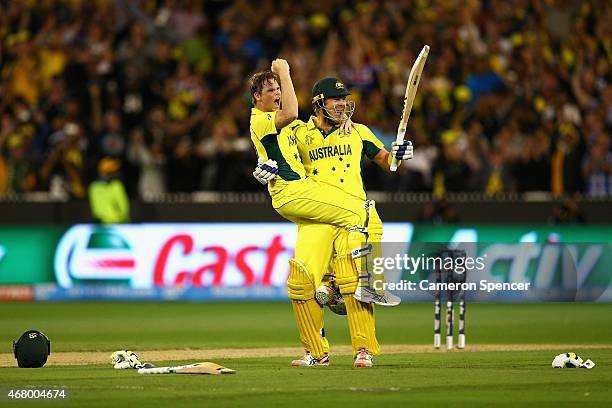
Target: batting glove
(571,360)
(123,359)
(119,356)
(265,171)
(402,151)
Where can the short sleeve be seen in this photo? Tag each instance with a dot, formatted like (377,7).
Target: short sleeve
(263,125)
(371,144)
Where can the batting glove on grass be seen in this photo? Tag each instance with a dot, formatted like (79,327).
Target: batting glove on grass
(571,360)
(265,171)
(402,151)
(125,359)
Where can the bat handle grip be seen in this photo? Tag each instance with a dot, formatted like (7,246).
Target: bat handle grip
(400,138)
(394,164)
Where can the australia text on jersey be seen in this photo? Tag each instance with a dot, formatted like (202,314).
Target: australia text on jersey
(330,151)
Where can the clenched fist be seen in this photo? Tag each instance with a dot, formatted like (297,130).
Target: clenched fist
(280,65)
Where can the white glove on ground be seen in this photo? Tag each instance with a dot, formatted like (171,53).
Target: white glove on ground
(123,359)
(571,360)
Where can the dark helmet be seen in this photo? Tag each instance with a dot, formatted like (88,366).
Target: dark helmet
(32,349)
(328,87)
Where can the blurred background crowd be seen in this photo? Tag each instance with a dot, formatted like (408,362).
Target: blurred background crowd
(516,94)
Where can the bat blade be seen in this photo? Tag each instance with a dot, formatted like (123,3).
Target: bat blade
(411,89)
(196,368)
(205,368)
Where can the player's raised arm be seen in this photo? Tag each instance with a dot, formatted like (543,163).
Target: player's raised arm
(288,111)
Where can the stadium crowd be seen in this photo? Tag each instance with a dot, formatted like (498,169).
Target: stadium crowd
(516,94)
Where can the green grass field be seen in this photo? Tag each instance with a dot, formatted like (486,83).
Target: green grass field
(458,378)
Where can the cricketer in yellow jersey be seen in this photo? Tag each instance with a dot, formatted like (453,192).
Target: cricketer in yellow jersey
(299,199)
(332,155)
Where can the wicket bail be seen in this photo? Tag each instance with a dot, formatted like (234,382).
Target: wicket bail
(451,276)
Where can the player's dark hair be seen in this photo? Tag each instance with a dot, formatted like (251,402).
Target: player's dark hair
(257,81)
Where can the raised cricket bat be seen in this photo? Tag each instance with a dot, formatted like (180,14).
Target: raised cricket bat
(411,90)
(196,368)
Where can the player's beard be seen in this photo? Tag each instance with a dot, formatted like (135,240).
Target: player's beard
(336,117)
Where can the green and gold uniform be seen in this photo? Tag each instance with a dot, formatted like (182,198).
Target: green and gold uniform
(282,147)
(279,146)
(334,159)
(306,202)
(295,196)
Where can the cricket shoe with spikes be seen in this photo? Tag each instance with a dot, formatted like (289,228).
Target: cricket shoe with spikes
(363,358)
(369,295)
(309,361)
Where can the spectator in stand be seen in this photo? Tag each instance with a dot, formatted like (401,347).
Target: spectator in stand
(17,174)
(566,161)
(63,170)
(148,158)
(532,169)
(597,168)
(451,170)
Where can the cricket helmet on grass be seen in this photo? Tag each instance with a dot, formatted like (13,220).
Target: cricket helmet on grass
(32,349)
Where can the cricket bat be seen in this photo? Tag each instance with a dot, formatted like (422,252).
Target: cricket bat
(411,90)
(196,368)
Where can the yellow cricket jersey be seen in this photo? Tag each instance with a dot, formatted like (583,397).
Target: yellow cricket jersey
(279,146)
(334,158)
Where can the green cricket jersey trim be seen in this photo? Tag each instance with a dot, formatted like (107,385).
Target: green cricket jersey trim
(370,149)
(270,143)
(331,130)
